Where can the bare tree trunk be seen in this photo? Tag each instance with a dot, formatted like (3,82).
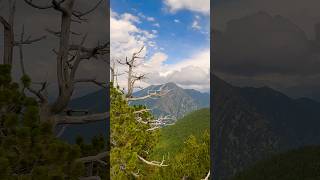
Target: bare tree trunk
(130,88)
(8,45)
(8,35)
(65,86)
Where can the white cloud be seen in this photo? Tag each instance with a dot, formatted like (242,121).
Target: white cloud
(130,17)
(125,36)
(201,6)
(193,72)
(176,21)
(150,19)
(190,73)
(156,24)
(195,25)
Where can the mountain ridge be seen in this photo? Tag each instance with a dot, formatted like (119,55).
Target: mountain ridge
(177,102)
(251,124)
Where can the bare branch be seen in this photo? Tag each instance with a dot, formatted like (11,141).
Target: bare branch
(94,81)
(91,52)
(141,111)
(153,163)
(81,119)
(70,112)
(136,175)
(79,15)
(4,22)
(60,133)
(58,33)
(57,6)
(78,59)
(29,2)
(150,95)
(207,177)
(96,158)
(153,128)
(37,94)
(29,41)
(90,178)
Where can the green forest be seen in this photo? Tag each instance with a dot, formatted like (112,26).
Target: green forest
(173,152)
(301,163)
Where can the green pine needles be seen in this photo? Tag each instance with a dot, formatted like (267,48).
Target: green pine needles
(28,148)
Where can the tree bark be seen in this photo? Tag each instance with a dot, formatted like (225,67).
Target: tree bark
(65,86)
(8,40)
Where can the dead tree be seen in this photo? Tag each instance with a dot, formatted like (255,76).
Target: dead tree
(132,78)
(9,41)
(207,177)
(69,58)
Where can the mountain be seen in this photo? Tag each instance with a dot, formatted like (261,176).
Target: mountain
(302,163)
(251,124)
(93,102)
(292,119)
(178,102)
(241,135)
(172,137)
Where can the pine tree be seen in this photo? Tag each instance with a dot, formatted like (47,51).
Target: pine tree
(192,162)
(130,139)
(28,147)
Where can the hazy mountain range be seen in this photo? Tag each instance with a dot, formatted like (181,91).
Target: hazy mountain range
(93,102)
(177,102)
(251,124)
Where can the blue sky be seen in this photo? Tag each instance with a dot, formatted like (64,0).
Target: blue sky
(176,34)
(178,39)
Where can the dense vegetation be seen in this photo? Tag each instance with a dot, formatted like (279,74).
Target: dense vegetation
(131,139)
(302,163)
(186,146)
(172,137)
(28,147)
(191,162)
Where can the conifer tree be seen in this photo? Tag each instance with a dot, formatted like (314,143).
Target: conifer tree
(131,142)
(28,147)
(192,162)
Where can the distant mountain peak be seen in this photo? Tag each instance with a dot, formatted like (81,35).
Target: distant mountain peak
(177,103)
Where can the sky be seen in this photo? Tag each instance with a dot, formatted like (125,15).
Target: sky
(268,43)
(175,34)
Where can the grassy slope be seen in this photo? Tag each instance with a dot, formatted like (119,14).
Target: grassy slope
(172,137)
(300,164)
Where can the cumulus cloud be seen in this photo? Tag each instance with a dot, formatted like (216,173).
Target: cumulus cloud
(303,13)
(261,44)
(126,38)
(176,21)
(200,6)
(148,18)
(262,49)
(192,73)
